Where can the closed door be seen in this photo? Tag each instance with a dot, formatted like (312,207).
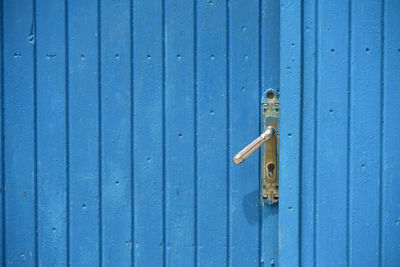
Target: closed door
(119,121)
(340,122)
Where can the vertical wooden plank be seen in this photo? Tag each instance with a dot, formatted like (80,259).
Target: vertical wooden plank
(149,132)
(390,253)
(307,192)
(364,202)
(180,147)
(116,133)
(269,78)
(332,132)
(85,240)
(212,122)
(269,35)
(2,178)
(51,133)
(290,138)
(243,128)
(19,135)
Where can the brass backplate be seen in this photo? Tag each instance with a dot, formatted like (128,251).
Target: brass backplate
(269,182)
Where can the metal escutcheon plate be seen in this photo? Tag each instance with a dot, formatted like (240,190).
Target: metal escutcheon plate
(269,182)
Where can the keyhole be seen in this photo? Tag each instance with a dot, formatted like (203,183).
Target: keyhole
(271,168)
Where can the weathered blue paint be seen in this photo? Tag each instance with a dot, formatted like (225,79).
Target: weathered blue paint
(119,120)
(290,145)
(148,133)
(83,148)
(212,134)
(179,130)
(115,136)
(20,246)
(244,125)
(338,203)
(51,129)
(390,141)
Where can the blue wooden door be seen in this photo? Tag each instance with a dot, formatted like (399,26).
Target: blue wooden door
(340,166)
(119,120)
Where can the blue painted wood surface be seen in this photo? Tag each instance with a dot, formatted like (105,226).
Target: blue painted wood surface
(212,135)
(20,224)
(51,129)
(83,135)
(119,120)
(339,174)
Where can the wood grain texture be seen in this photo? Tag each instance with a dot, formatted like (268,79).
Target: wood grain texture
(20,164)
(119,120)
(348,69)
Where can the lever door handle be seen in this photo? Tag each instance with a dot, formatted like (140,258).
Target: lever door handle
(268,142)
(253,146)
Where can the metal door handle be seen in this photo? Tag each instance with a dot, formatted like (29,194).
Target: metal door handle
(253,146)
(268,142)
